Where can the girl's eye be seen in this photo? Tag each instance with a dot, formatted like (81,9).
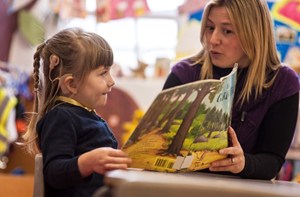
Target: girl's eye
(103,73)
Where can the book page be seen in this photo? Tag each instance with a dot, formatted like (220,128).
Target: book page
(184,127)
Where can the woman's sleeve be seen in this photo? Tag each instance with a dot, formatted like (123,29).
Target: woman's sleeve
(275,136)
(171,81)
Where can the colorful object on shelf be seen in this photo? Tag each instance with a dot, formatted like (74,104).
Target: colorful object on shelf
(192,6)
(162,66)
(102,10)
(286,14)
(187,34)
(116,9)
(189,30)
(30,28)
(288,11)
(140,71)
(69,8)
(16,5)
(7,104)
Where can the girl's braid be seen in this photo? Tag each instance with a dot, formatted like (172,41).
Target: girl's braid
(36,78)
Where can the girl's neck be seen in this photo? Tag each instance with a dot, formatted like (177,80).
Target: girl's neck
(72,102)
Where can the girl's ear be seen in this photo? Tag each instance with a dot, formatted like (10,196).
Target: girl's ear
(68,85)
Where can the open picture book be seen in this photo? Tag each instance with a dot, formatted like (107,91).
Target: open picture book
(184,127)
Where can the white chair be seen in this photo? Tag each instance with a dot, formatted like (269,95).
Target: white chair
(38,188)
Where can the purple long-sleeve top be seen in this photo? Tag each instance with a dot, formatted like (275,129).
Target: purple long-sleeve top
(264,125)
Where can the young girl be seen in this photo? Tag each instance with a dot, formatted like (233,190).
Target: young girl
(77,145)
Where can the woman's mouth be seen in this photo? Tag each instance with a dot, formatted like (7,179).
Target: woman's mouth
(215,54)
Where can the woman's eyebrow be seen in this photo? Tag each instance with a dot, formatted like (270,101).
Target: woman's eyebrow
(223,23)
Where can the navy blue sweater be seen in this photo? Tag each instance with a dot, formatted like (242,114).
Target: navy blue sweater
(66,132)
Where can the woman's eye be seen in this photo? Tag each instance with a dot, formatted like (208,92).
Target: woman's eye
(227,31)
(210,28)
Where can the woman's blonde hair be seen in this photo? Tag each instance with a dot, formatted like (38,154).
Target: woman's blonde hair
(70,51)
(254,28)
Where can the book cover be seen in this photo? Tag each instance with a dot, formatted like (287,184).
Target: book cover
(184,127)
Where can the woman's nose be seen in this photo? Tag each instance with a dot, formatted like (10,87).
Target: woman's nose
(215,38)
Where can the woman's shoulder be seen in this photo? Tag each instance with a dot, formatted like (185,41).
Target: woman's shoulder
(186,71)
(287,75)
(287,70)
(185,64)
(287,82)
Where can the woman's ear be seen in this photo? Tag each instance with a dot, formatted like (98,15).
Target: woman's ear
(68,85)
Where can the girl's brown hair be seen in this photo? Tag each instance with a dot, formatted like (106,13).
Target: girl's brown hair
(70,51)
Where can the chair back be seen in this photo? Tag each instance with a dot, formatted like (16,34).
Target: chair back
(38,188)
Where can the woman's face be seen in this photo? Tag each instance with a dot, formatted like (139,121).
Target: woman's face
(222,41)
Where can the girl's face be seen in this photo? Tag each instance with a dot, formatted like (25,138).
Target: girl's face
(222,41)
(93,91)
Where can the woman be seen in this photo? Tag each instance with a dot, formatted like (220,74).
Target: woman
(267,92)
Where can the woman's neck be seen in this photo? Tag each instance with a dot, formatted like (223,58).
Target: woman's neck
(220,72)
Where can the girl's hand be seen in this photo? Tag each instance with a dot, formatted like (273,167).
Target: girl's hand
(101,160)
(235,162)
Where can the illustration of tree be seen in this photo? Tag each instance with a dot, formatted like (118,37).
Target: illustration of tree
(173,107)
(175,147)
(215,120)
(147,117)
(166,109)
(152,118)
(172,116)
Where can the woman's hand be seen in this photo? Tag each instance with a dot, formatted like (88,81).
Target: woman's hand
(101,160)
(235,162)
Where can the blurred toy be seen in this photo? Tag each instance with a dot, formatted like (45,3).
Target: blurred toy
(162,67)
(293,58)
(297,178)
(139,72)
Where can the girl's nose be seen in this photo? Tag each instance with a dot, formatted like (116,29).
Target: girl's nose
(111,81)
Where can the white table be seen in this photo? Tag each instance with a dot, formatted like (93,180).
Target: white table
(133,183)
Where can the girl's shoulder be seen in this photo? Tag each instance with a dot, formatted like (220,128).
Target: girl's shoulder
(64,111)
